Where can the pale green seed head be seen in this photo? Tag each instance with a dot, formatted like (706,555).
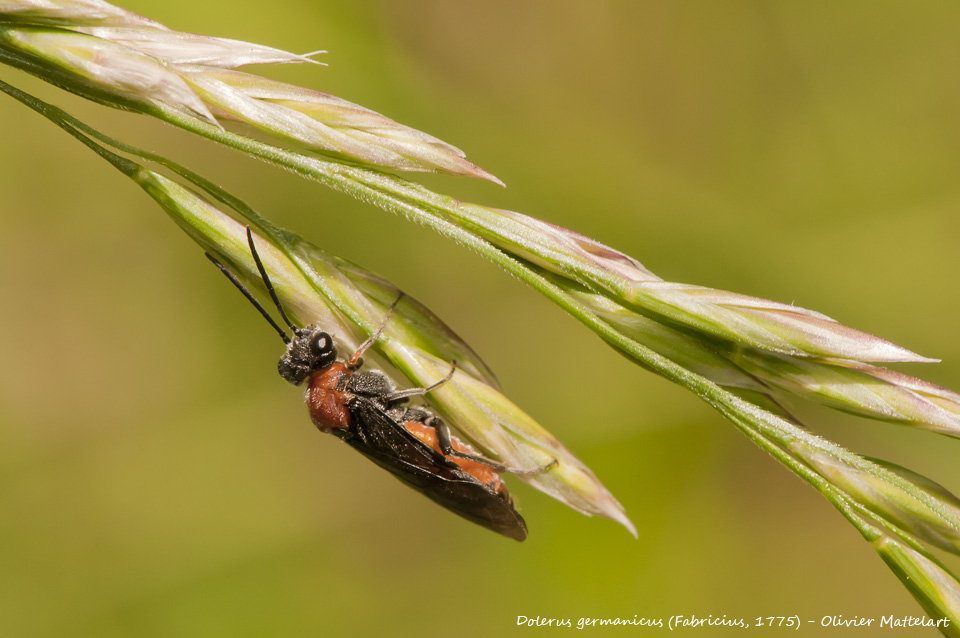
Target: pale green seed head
(105,67)
(71,13)
(932,585)
(935,518)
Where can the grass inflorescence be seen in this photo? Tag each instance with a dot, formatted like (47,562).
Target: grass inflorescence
(740,354)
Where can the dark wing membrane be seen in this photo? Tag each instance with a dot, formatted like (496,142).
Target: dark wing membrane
(387,443)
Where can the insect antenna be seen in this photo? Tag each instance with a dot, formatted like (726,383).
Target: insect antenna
(250,298)
(266,281)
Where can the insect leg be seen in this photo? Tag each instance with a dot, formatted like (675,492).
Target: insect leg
(445,441)
(416,392)
(355,360)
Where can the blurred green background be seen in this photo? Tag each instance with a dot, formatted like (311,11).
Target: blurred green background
(157,478)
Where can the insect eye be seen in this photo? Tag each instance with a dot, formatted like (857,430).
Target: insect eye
(321,343)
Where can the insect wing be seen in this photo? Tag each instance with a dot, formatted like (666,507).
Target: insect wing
(443,342)
(384,441)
